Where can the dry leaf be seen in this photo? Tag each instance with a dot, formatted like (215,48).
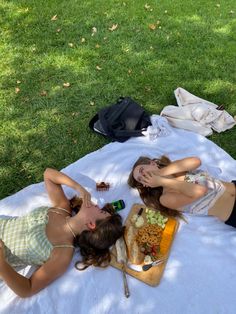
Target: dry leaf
(98,68)
(54,18)
(113,28)
(94,30)
(83,40)
(66,84)
(43,93)
(92,103)
(18,82)
(17,90)
(152,26)
(71,45)
(58,30)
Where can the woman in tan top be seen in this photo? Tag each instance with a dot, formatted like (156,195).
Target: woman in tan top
(179,186)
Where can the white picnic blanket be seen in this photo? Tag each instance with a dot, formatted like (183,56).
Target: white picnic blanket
(200,275)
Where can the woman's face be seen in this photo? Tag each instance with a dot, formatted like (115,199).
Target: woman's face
(141,171)
(95,212)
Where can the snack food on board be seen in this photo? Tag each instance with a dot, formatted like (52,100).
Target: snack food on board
(143,238)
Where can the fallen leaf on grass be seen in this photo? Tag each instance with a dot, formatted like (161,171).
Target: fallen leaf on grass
(113,27)
(94,31)
(92,103)
(147,88)
(148,7)
(54,18)
(17,90)
(43,93)
(66,84)
(83,40)
(75,114)
(18,82)
(98,68)
(58,30)
(71,45)
(152,26)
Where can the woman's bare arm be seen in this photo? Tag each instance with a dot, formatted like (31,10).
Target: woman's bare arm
(54,179)
(47,273)
(177,194)
(182,165)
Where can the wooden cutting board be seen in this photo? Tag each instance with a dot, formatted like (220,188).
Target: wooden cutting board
(152,276)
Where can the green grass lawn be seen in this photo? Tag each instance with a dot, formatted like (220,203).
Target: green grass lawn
(103,49)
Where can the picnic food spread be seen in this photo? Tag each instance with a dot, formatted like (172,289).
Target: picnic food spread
(143,239)
(148,237)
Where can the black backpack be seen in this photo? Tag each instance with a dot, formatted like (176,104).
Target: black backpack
(120,121)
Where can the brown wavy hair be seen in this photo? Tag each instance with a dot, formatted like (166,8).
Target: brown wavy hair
(95,244)
(151,196)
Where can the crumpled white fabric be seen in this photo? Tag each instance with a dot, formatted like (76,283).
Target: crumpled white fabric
(159,128)
(196,114)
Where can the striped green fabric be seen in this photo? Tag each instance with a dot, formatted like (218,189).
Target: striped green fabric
(25,238)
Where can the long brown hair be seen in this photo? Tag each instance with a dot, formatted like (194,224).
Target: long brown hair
(94,244)
(151,196)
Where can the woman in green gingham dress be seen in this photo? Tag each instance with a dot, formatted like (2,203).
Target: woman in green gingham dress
(46,237)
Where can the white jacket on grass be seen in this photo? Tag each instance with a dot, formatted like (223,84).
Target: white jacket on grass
(196,114)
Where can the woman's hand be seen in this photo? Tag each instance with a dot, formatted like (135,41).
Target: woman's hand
(151,179)
(85,195)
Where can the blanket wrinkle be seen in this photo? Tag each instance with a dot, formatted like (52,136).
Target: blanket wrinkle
(196,114)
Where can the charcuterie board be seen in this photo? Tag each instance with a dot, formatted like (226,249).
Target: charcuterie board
(152,276)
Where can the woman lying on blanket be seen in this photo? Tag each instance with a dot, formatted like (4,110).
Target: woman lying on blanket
(178,187)
(46,237)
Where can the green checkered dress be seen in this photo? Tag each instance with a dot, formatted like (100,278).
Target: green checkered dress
(25,238)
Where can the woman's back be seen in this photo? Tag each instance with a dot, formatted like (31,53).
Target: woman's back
(25,239)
